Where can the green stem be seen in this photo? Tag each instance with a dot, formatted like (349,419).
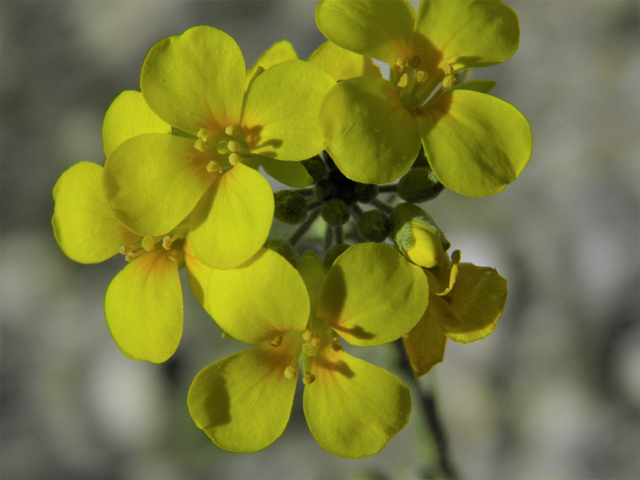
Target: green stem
(431,414)
(302,229)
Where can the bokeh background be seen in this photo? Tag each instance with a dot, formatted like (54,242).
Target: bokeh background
(554,393)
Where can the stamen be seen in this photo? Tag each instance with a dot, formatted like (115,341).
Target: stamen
(203,134)
(448,69)
(448,81)
(402,62)
(404,80)
(276,342)
(291,373)
(309,349)
(173,255)
(222,147)
(307,335)
(167,242)
(201,145)
(234,146)
(233,130)
(308,378)
(234,158)
(148,244)
(421,76)
(336,346)
(126,250)
(214,167)
(132,256)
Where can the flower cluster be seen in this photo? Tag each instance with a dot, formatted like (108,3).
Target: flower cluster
(183,186)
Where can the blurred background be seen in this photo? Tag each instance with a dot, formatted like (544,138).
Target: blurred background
(553,393)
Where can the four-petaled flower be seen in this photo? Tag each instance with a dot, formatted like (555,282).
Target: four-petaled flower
(374,128)
(370,296)
(195,82)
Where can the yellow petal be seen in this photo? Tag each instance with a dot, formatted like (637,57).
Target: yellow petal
(143,306)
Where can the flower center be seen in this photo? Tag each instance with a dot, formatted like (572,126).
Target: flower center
(232,148)
(149,244)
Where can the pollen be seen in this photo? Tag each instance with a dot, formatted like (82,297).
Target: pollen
(234,146)
(234,158)
(201,145)
(167,242)
(308,378)
(148,244)
(214,167)
(291,373)
(306,336)
(309,349)
(276,342)
(421,76)
(448,81)
(233,130)
(404,80)
(125,250)
(222,147)
(402,62)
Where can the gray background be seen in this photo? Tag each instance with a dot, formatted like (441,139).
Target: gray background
(553,393)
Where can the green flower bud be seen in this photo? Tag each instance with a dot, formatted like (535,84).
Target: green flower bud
(335,212)
(419,185)
(365,192)
(332,253)
(374,226)
(325,189)
(283,248)
(315,167)
(417,235)
(290,207)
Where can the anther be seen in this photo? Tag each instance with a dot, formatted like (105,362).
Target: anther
(276,342)
(233,130)
(201,145)
(234,146)
(234,158)
(148,244)
(306,336)
(308,378)
(336,346)
(125,250)
(167,242)
(404,80)
(448,69)
(309,349)
(315,341)
(214,167)
(448,81)
(402,62)
(421,76)
(291,373)
(222,147)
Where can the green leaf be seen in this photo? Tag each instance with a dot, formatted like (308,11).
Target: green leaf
(477,299)
(343,64)
(381,30)
(476,143)
(292,174)
(259,300)
(277,53)
(195,80)
(354,408)
(243,402)
(128,116)
(154,181)
(83,223)
(280,113)
(369,134)
(367,286)
(232,220)
(143,307)
(467,34)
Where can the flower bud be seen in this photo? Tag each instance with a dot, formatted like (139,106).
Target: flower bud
(332,253)
(374,226)
(335,212)
(283,248)
(315,167)
(290,207)
(417,236)
(365,192)
(419,185)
